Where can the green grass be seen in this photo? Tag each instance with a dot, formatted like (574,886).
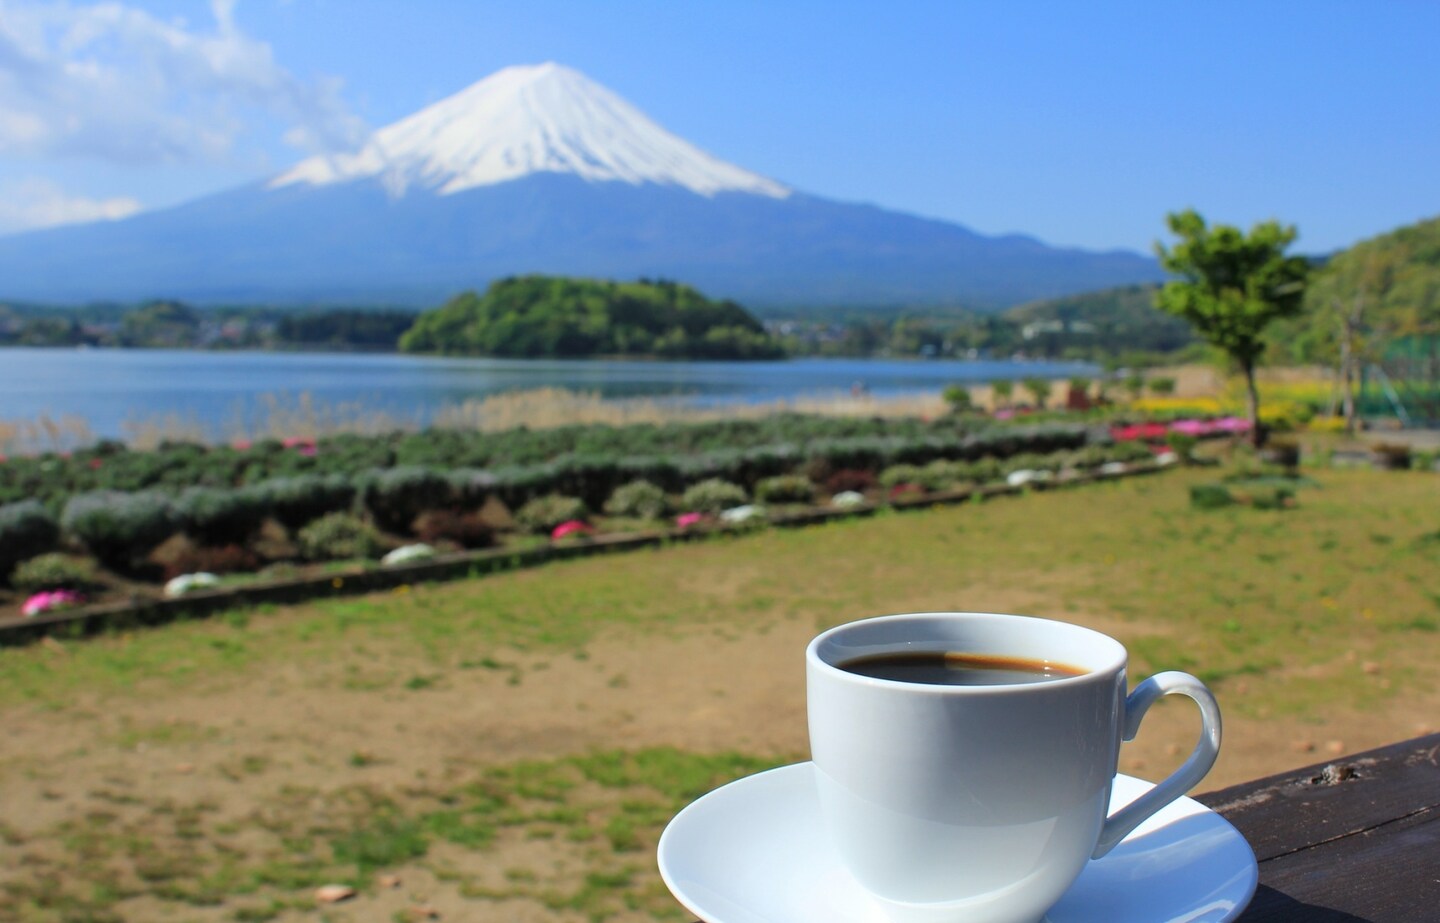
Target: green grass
(1228,592)
(1291,603)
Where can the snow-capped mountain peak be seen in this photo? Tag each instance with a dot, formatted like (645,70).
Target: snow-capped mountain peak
(523,120)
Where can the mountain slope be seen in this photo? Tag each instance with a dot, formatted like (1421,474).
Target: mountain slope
(545,174)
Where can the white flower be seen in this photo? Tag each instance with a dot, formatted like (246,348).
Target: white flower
(189,583)
(1026,476)
(848,498)
(1166,458)
(1114,467)
(741,513)
(407,553)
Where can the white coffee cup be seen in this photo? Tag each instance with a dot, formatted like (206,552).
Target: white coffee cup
(980,803)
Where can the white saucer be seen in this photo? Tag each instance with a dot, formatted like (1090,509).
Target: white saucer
(752,852)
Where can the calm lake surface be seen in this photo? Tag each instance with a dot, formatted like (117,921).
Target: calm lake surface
(218,390)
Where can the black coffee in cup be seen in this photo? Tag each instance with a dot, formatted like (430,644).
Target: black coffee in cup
(952,668)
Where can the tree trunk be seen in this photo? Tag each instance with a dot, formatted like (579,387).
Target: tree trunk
(1347,375)
(1252,405)
(1349,326)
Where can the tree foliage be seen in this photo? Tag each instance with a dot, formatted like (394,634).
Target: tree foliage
(1232,286)
(1392,281)
(378,330)
(553,316)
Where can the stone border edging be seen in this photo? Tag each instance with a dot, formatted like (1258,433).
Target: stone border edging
(138,611)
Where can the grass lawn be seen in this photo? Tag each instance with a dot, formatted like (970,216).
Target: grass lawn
(510,747)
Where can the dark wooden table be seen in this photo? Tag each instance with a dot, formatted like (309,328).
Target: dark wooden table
(1356,840)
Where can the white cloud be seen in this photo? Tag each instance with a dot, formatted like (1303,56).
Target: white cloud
(112,82)
(34,202)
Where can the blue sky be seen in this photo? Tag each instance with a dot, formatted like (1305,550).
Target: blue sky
(1078,123)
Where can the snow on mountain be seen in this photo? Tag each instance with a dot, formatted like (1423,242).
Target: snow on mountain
(523,120)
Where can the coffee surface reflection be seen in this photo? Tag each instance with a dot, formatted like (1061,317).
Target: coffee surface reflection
(953,668)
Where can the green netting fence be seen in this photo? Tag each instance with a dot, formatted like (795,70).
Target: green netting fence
(1405,383)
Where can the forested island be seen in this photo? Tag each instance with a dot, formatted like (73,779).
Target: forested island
(531,317)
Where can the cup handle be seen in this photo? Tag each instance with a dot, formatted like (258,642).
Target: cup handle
(1181,780)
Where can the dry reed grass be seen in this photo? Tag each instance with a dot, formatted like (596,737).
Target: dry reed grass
(304,416)
(283,416)
(542,408)
(44,434)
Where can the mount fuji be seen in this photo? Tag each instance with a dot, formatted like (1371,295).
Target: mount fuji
(537,169)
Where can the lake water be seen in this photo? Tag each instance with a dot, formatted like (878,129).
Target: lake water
(108,388)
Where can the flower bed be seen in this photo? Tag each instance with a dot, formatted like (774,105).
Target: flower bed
(148,536)
(1198,428)
(295,585)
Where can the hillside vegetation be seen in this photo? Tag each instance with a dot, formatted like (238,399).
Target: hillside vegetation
(1383,288)
(549,316)
(1109,320)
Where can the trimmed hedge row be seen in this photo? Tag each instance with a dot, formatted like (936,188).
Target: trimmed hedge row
(108,465)
(118,527)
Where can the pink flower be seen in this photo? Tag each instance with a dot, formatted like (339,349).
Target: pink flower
(47,600)
(94,464)
(307,450)
(570,527)
(1190,427)
(240,445)
(686,520)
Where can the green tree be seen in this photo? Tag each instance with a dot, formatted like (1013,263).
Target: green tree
(1002,390)
(544,316)
(160,323)
(1231,287)
(958,398)
(1365,298)
(1039,389)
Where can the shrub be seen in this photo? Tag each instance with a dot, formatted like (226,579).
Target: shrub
(298,500)
(713,496)
(943,475)
(896,475)
(1391,456)
(465,529)
(849,480)
(1271,498)
(785,488)
(1039,389)
(983,470)
(545,513)
(26,530)
(118,527)
(638,498)
(54,571)
(225,559)
(470,487)
(395,496)
(1028,461)
(1210,496)
(1129,452)
(337,536)
(220,516)
(958,398)
(1183,445)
